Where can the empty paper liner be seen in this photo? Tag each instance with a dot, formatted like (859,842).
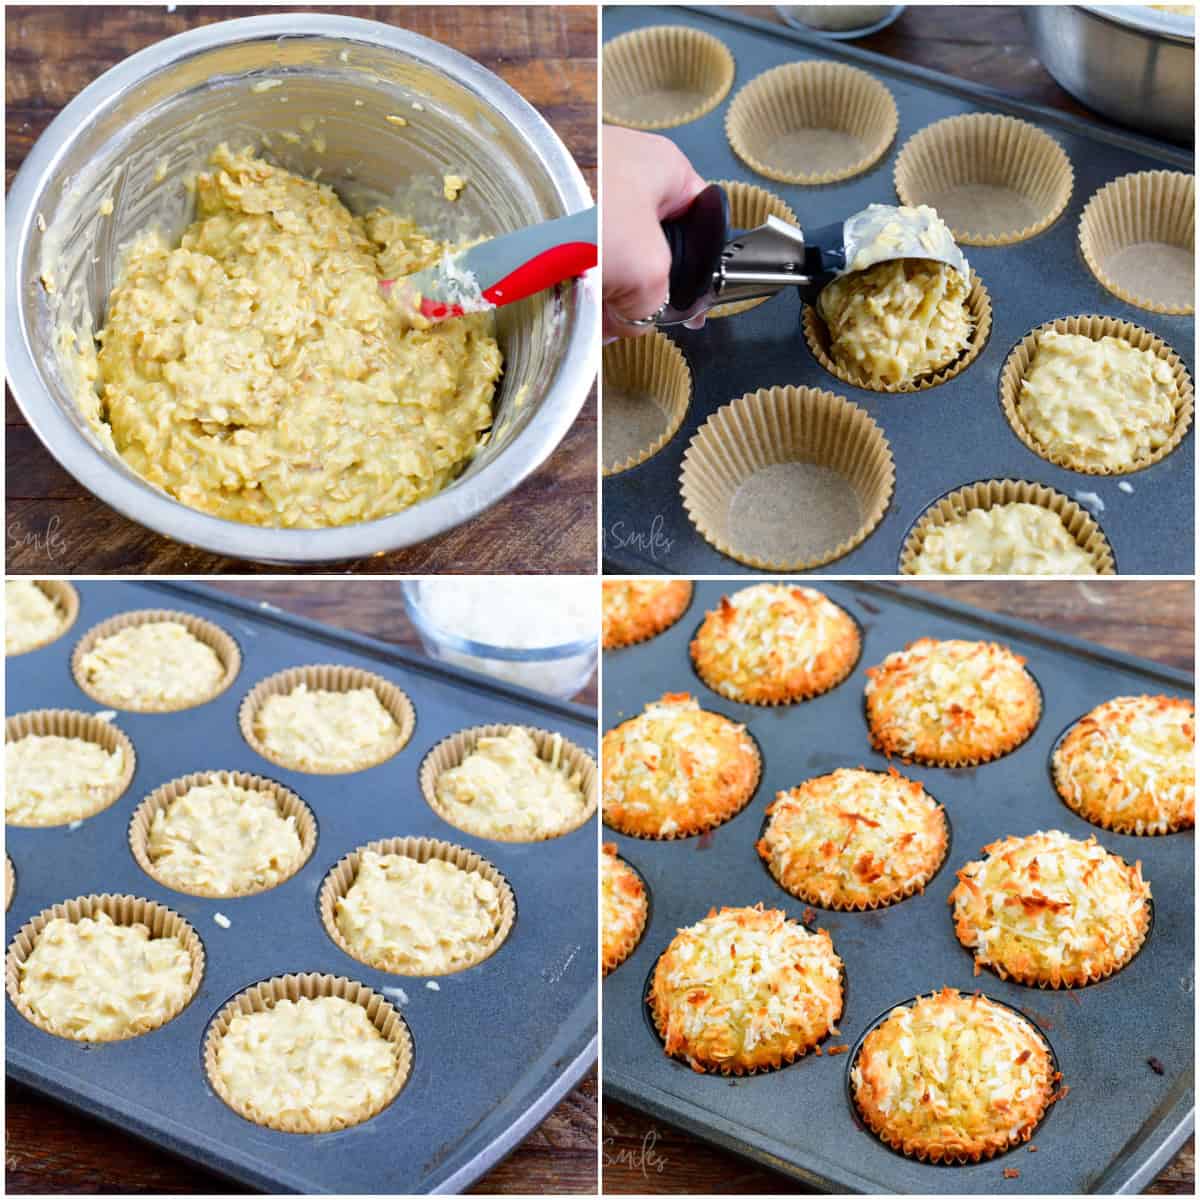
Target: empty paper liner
(287,803)
(811,122)
(66,600)
(994,180)
(451,751)
(328,679)
(664,75)
(1078,522)
(124,910)
(787,478)
(749,207)
(1094,327)
(213,636)
(645,394)
(1138,237)
(339,881)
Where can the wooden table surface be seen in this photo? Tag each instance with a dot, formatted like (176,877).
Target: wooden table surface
(547,524)
(51,1148)
(1154,620)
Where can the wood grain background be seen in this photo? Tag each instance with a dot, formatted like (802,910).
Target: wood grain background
(1154,620)
(548,524)
(51,1148)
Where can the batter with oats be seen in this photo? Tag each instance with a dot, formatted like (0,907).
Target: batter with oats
(257,372)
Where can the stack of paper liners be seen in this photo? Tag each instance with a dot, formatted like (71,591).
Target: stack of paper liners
(749,207)
(649,372)
(264,996)
(785,425)
(994,180)
(664,75)
(124,910)
(66,600)
(287,803)
(1078,521)
(451,751)
(66,723)
(811,122)
(328,679)
(1094,327)
(979,305)
(339,881)
(225,648)
(1138,237)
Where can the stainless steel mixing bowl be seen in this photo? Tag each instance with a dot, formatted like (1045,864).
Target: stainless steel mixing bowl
(1130,62)
(315,92)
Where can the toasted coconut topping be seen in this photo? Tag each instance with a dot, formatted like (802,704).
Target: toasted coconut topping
(1051,909)
(746,988)
(623,907)
(1128,765)
(636,609)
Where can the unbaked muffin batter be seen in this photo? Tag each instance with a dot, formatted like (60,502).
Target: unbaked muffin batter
(52,780)
(318,730)
(30,616)
(158,664)
(257,372)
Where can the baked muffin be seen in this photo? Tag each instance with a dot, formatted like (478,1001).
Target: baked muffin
(1128,765)
(773,643)
(744,990)
(951,703)
(637,609)
(623,908)
(953,1078)
(854,839)
(676,770)
(1050,910)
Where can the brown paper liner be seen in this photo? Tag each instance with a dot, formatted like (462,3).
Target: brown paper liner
(10,883)
(340,879)
(328,679)
(263,996)
(615,953)
(1157,207)
(1094,327)
(287,802)
(643,68)
(62,722)
(782,425)
(213,636)
(979,304)
(1080,524)
(451,751)
(654,365)
(827,98)
(937,165)
(124,910)
(749,207)
(66,599)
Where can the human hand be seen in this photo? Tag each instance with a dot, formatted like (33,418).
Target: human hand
(646,179)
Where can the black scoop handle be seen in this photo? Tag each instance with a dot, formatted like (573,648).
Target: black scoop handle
(697,238)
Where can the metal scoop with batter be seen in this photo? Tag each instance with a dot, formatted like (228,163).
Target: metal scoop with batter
(712,264)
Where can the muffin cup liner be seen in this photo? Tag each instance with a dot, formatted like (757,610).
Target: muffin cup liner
(213,636)
(340,879)
(986,150)
(66,598)
(1095,327)
(979,305)
(10,883)
(784,425)
(613,956)
(660,625)
(63,722)
(327,679)
(1079,523)
(287,803)
(124,910)
(654,365)
(551,747)
(661,58)
(265,995)
(1147,206)
(749,207)
(827,97)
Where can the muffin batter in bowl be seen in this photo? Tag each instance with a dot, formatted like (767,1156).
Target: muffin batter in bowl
(257,371)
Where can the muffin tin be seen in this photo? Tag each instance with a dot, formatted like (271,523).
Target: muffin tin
(1120,1122)
(495,1046)
(945,437)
